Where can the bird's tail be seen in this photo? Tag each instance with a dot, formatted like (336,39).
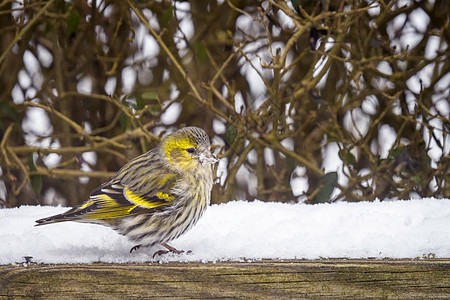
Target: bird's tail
(66,216)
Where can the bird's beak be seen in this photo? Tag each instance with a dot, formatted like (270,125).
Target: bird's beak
(207,157)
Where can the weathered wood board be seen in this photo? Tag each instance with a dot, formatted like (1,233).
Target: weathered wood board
(405,279)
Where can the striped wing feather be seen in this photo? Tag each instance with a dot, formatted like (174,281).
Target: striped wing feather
(111,201)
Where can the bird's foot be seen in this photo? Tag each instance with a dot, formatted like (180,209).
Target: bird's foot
(169,249)
(135,248)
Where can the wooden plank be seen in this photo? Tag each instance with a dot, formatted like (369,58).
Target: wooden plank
(257,280)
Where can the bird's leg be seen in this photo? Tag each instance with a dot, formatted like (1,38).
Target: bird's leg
(135,248)
(170,249)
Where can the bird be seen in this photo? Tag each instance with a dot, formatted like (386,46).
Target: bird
(157,196)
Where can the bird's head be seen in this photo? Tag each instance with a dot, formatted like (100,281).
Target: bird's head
(188,149)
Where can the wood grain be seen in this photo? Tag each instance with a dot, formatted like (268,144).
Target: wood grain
(257,280)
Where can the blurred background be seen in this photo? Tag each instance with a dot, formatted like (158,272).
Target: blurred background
(305,101)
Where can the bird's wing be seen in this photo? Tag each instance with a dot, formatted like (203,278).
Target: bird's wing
(112,201)
(115,200)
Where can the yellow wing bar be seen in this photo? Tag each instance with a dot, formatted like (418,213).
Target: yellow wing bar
(144,202)
(105,207)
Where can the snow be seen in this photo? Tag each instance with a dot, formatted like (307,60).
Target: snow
(241,230)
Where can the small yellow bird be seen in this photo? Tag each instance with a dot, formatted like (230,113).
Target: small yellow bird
(157,196)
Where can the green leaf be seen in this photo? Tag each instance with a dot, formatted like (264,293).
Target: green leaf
(332,135)
(72,22)
(200,50)
(10,111)
(326,186)
(398,151)
(35,180)
(349,157)
(140,103)
(296,4)
(36,183)
(291,163)
(123,120)
(146,146)
(231,134)
(150,96)
(155,110)
(128,103)
(417,179)
(31,164)
(167,16)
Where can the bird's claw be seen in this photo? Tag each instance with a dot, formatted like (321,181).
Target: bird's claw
(135,248)
(162,252)
(169,249)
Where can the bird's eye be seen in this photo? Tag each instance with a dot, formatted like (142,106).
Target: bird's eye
(190,150)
